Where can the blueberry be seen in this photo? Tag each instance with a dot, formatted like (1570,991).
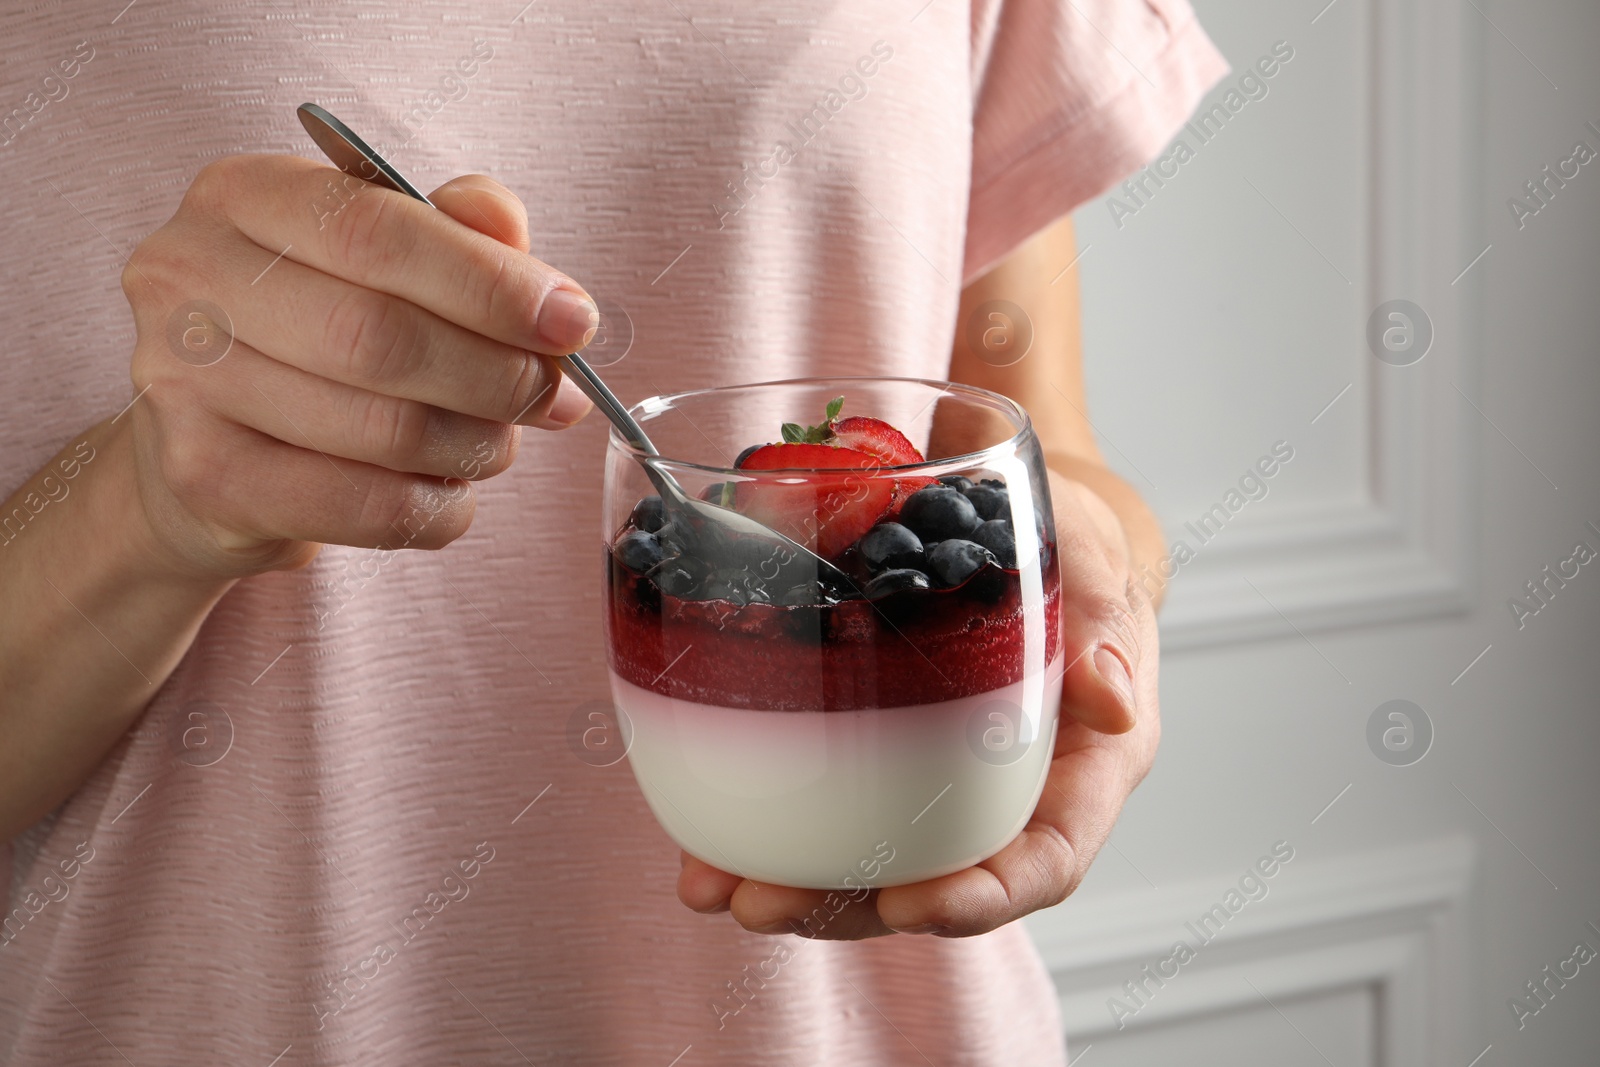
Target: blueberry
(675,580)
(837,589)
(718,587)
(956,560)
(890,546)
(993,483)
(938,512)
(804,594)
(649,514)
(735,586)
(638,550)
(704,540)
(746,454)
(989,502)
(896,581)
(755,587)
(673,534)
(956,482)
(996,536)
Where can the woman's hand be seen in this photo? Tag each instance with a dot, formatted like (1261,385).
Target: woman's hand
(1106,742)
(321,360)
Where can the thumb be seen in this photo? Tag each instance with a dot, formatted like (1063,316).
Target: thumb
(483,204)
(1098,688)
(1101,635)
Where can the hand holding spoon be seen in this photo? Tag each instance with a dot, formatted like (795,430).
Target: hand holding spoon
(704,522)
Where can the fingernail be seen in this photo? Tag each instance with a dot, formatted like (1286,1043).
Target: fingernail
(925,928)
(570,404)
(1115,673)
(567,320)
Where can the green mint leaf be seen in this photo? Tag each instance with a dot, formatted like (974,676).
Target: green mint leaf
(819,435)
(793,433)
(835,406)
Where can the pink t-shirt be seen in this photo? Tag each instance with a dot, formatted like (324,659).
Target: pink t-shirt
(275,861)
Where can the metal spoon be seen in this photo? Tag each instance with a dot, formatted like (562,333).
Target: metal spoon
(711,529)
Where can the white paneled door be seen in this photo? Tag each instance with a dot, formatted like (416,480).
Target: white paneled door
(1342,334)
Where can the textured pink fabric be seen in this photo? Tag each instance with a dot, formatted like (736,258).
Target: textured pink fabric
(393,720)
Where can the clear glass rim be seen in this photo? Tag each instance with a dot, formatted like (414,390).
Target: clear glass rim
(967,459)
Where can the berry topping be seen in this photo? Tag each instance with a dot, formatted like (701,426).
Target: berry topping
(990,502)
(674,579)
(674,538)
(876,438)
(795,434)
(677,576)
(954,561)
(895,581)
(803,594)
(638,550)
(738,587)
(996,536)
(890,546)
(648,514)
(805,456)
(825,511)
(939,512)
(903,489)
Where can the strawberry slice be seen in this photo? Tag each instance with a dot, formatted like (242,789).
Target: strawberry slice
(831,500)
(876,438)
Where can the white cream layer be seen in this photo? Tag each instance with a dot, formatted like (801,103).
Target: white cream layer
(806,799)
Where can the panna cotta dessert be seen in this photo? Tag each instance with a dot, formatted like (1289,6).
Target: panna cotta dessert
(883,724)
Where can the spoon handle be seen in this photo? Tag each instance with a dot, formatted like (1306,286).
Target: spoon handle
(578,369)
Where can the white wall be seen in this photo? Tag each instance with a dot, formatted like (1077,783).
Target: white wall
(1222,316)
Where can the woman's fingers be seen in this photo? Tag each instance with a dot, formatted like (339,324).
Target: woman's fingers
(379,239)
(480,202)
(1041,868)
(831,915)
(703,888)
(820,914)
(304,410)
(1105,743)
(358,348)
(369,339)
(1087,786)
(247,488)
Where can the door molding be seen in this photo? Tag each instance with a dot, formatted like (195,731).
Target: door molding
(1391,920)
(1406,547)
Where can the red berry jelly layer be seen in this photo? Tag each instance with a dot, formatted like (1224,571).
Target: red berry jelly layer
(915,647)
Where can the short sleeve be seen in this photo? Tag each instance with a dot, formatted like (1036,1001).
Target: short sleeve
(1069,97)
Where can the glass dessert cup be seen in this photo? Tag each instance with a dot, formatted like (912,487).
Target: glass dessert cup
(883,730)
